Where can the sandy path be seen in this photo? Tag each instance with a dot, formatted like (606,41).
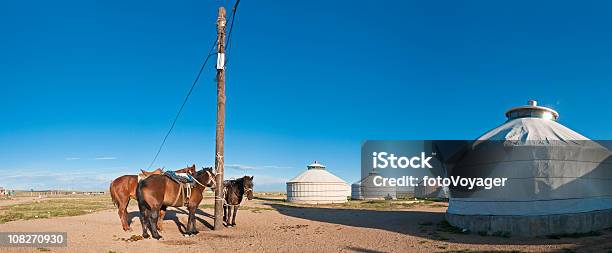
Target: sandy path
(284,229)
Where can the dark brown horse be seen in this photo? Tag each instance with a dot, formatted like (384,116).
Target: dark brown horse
(157,192)
(124,187)
(234,192)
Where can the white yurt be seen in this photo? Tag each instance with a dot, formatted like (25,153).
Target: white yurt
(356,190)
(430,191)
(558,180)
(316,185)
(365,189)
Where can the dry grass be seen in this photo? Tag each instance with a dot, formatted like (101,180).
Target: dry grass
(359,204)
(56,207)
(383,204)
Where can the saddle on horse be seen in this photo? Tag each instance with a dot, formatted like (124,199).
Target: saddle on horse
(185,181)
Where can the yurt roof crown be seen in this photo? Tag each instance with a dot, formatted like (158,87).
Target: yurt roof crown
(316,173)
(532,110)
(316,165)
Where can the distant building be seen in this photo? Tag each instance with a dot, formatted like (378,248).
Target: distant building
(365,189)
(428,191)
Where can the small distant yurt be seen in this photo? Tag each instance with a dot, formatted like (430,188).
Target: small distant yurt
(366,190)
(558,181)
(430,191)
(317,185)
(356,190)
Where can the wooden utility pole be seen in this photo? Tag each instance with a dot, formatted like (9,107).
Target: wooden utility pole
(220,118)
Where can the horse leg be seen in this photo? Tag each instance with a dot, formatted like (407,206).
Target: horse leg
(192,229)
(225,214)
(143,220)
(160,221)
(229,216)
(123,215)
(234,215)
(153,217)
(188,226)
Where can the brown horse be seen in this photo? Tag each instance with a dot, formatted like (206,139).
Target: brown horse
(157,192)
(124,187)
(234,192)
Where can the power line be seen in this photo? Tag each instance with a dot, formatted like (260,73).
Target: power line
(178,114)
(229,36)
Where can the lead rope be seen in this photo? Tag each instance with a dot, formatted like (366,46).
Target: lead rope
(223,199)
(198,182)
(180,193)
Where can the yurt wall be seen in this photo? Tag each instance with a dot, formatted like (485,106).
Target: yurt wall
(365,189)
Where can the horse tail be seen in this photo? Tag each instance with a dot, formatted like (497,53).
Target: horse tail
(142,204)
(113,195)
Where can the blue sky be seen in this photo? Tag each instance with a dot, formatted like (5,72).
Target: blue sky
(90,87)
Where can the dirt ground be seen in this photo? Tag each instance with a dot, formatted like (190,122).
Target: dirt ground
(268,225)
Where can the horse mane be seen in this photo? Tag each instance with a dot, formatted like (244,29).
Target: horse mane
(203,170)
(238,181)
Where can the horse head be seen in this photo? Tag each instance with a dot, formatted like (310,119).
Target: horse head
(189,170)
(248,186)
(207,177)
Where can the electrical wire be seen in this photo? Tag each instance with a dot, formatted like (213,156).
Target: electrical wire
(229,35)
(178,114)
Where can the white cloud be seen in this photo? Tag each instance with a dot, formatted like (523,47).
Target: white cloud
(62,181)
(72,158)
(45,179)
(259,173)
(240,167)
(105,158)
(268,180)
(254,167)
(260,179)
(276,167)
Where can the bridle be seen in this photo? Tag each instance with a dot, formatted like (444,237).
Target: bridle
(246,190)
(210,176)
